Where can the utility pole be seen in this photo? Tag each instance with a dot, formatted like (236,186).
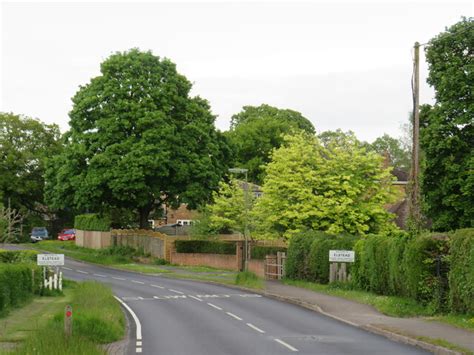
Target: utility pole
(414,203)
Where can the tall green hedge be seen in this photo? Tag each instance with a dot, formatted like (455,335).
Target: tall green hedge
(205,247)
(92,222)
(461,275)
(18,283)
(297,262)
(260,252)
(17,256)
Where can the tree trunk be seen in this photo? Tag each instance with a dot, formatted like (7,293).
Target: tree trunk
(144,212)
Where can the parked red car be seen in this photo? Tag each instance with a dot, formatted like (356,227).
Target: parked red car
(67,234)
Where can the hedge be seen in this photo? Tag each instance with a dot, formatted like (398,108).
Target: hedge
(297,265)
(461,275)
(17,256)
(205,247)
(17,285)
(260,252)
(92,222)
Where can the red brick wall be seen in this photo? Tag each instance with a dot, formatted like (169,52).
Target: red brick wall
(181,213)
(257,267)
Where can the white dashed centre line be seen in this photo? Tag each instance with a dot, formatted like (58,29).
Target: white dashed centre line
(118,278)
(233,316)
(156,286)
(82,272)
(255,328)
(214,306)
(198,299)
(285,344)
(181,293)
(100,275)
(138,282)
(66,268)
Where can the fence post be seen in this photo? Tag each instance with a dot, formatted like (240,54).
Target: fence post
(68,321)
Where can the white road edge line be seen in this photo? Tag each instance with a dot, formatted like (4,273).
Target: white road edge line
(82,272)
(212,305)
(255,328)
(138,282)
(285,344)
(118,278)
(233,315)
(100,275)
(137,322)
(156,286)
(198,299)
(181,293)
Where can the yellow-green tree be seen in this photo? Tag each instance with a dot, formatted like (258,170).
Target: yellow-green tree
(337,187)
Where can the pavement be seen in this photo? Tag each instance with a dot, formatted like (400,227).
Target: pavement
(407,330)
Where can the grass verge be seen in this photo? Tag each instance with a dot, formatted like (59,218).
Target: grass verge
(248,279)
(97,319)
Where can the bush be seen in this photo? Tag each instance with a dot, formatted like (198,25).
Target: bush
(259,252)
(204,247)
(425,266)
(248,279)
(461,275)
(17,256)
(92,222)
(319,254)
(297,265)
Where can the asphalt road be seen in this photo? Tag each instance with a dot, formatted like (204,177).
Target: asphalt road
(189,317)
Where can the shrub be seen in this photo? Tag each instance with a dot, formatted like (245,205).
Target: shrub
(17,256)
(259,252)
(204,247)
(425,266)
(248,279)
(297,266)
(461,275)
(92,222)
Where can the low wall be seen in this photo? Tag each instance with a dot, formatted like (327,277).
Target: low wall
(257,267)
(93,239)
(219,261)
(150,242)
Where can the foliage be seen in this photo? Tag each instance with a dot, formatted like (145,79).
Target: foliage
(398,155)
(447,129)
(17,256)
(204,247)
(255,131)
(18,283)
(297,261)
(260,252)
(92,222)
(25,146)
(461,274)
(230,211)
(202,228)
(248,279)
(137,140)
(337,188)
(11,222)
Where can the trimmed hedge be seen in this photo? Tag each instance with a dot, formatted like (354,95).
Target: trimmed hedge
(308,254)
(92,222)
(260,252)
(204,247)
(17,256)
(461,275)
(17,285)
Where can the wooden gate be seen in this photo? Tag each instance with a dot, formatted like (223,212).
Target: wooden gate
(275,266)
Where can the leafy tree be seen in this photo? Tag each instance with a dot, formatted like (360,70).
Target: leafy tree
(447,130)
(137,140)
(256,131)
(25,146)
(334,187)
(399,156)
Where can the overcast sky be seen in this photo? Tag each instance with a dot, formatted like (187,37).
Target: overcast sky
(342,64)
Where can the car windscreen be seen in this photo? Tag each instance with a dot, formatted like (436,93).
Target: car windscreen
(39,232)
(68,231)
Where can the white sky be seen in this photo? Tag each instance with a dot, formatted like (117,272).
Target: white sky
(342,64)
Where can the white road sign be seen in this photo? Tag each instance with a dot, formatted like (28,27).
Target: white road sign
(341,256)
(50,259)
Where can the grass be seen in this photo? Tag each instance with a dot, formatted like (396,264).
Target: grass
(464,321)
(97,319)
(248,279)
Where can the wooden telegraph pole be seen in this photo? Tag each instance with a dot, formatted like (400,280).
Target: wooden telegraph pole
(414,205)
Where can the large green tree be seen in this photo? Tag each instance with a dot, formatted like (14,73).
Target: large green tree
(330,187)
(447,129)
(25,146)
(137,140)
(397,153)
(256,131)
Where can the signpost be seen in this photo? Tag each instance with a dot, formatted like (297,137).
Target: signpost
(54,281)
(337,266)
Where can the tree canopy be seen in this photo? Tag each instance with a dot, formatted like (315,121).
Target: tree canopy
(331,187)
(137,140)
(25,146)
(399,156)
(256,131)
(447,129)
